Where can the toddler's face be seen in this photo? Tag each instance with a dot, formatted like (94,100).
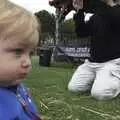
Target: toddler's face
(15,62)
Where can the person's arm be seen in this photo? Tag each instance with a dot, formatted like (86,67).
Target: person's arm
(82,28)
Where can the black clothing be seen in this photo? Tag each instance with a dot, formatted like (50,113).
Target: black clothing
(104,29)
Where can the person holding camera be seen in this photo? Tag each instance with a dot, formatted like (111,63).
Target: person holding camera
(101,73)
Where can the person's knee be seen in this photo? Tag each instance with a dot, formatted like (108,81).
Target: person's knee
(72,87)
(76,87)
(101,95)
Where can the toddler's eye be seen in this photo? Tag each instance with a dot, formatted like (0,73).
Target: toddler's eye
(31,53)
(18,51)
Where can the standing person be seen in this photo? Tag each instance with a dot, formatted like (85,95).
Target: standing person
(18,37)
(101,73)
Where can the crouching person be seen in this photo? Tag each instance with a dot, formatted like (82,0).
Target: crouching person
(101,73)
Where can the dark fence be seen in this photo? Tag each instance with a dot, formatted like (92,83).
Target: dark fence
(73,53)
(66,39)
(69,48)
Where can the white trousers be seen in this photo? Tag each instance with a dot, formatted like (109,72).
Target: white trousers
(103,79)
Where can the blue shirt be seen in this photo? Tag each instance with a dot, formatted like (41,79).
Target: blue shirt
(17,105)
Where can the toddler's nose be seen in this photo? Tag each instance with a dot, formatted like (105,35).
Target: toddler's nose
(26,62)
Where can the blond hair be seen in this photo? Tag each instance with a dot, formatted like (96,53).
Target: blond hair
(16,23)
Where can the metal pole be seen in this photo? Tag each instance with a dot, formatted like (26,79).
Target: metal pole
(57,31)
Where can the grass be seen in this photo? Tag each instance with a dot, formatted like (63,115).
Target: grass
(49,90)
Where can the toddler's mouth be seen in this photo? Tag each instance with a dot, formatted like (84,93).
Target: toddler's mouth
(23,75)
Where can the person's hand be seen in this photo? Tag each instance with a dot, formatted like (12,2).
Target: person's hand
(110,3)
(77,4)
(117,2)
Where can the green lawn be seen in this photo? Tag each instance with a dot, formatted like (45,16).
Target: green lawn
(49,90)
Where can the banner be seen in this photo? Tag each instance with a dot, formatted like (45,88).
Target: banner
(70,52)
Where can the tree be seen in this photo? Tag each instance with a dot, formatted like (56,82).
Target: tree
(68,26)
(47,21)
(68,32)
(69,35)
